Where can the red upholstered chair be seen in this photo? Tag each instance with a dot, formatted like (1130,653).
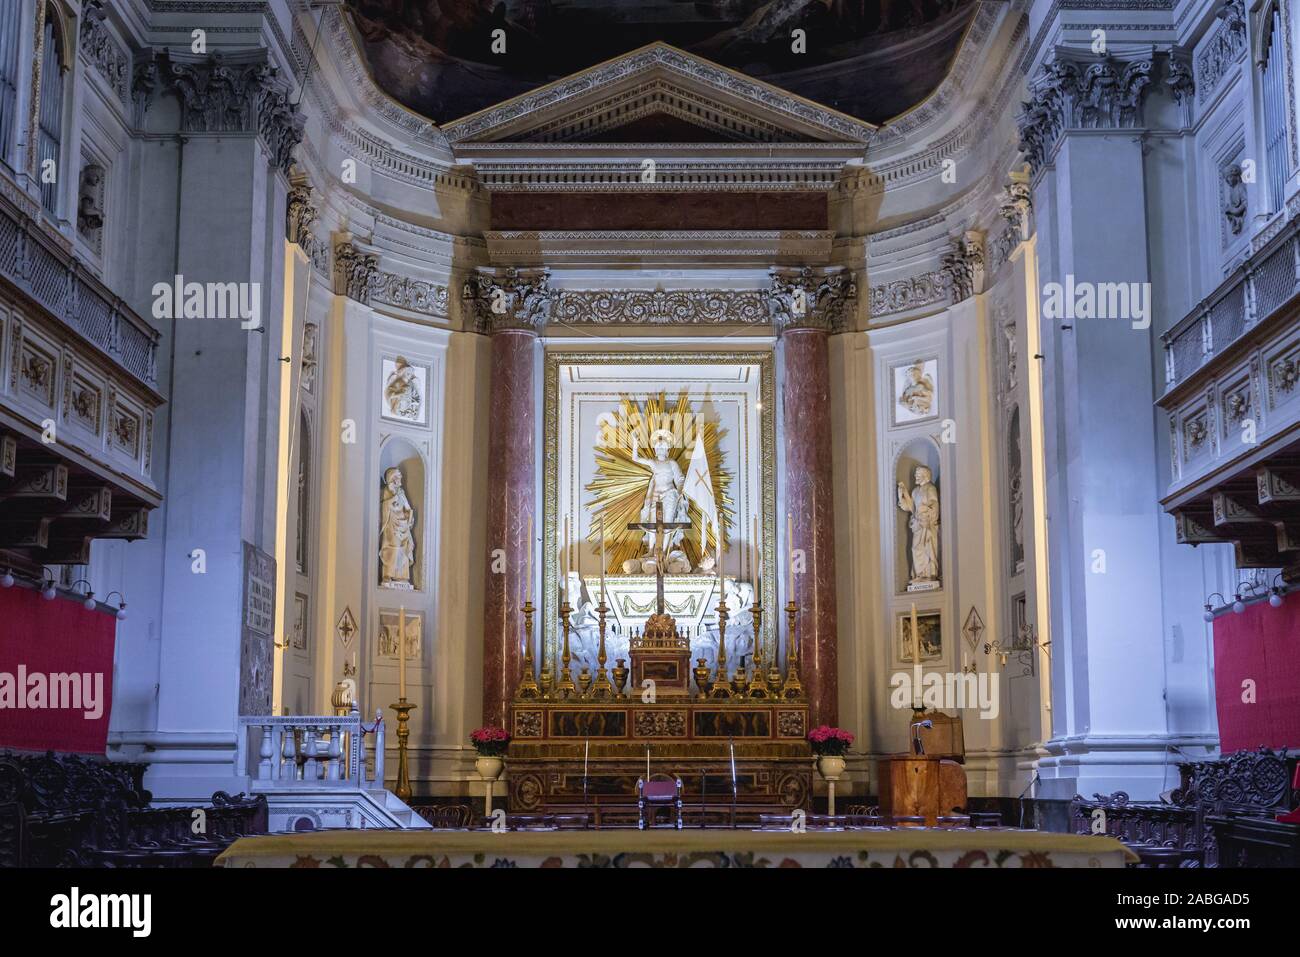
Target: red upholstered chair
(662,790)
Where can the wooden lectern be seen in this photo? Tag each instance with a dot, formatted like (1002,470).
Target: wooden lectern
(929,785)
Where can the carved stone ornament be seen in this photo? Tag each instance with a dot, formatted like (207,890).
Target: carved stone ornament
(355,272)
(1016,202)
(90,203)
(511,298)
(964,264)
(1081,93)
(660,306)
(811,298)
(1234,199)
(103,51)
(1223,49)
(900,295)
(301,220)
(220,94)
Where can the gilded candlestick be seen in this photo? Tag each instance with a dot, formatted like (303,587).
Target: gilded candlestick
(565,688)
(721,687)
(528,689)
(602,690)
(403,709)
(792,688)
(758,688)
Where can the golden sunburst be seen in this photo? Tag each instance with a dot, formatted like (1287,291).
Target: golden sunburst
(619,487)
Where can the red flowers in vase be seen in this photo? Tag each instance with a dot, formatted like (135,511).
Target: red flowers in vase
(826,740)
(490,742)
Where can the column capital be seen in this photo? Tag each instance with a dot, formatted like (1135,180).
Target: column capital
(1076,90)
(963,264)
(510,298)
(356,271)
(810,297)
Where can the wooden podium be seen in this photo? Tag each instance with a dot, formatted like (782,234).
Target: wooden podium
(921,785)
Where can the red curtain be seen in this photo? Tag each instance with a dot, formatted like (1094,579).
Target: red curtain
(1262,645)
(56,673)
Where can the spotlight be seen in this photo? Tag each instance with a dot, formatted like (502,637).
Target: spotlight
(48,592)
(7,579)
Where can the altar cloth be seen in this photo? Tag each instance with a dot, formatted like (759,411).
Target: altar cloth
(903,847)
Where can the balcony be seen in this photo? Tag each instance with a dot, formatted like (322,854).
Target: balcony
(1232,370)
(78,372)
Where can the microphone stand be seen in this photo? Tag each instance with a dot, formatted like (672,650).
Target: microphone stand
(732,743)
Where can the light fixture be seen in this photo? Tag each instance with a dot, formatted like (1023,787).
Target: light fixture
(1209,605)
(89,603)
(1276,592)
(1239,603)
(121,606)
(48,592)
(7,579)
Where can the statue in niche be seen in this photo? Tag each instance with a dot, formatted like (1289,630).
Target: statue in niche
(396,533)
(665,485)
(1234,203)
(402,391)
(923,506)
(90,202)
(918,395)
(1009,331)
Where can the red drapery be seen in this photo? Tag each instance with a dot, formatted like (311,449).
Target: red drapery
(56,673)
(1262,645)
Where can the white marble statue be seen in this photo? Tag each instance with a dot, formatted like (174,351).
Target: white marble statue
(396,533)
(584,630)
(665,485)
(740,629)
(923,505)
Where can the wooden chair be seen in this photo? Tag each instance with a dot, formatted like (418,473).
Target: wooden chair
(661,791)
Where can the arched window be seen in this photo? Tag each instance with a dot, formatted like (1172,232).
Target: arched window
(51,119)
(9,37)
(1273,58)
(304,493)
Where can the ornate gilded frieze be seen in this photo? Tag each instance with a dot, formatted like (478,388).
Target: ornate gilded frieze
(511,298)
(1073,92)
(660,306)
(810,298)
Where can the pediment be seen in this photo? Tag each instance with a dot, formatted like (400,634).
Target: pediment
(657,91)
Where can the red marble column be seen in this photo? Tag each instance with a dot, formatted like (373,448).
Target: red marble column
(807,305)
(510,501)
(808,496)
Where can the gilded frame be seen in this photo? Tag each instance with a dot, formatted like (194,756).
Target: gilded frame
(764,358)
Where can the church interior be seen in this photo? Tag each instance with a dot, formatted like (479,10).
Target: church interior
(610,433)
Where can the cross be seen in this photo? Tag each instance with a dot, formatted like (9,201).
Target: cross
(658,526)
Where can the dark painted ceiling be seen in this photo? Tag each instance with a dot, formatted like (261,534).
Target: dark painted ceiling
(872,59)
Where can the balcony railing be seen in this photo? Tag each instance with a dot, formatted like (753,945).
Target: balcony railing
(38,266)
(305,751)
(1255,291)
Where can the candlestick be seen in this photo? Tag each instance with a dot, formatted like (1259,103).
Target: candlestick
(916,663)
(403,709)
(721,687)
(791,688)
(401,653)
(528,688)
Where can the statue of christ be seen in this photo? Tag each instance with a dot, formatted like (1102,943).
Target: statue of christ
(665,485)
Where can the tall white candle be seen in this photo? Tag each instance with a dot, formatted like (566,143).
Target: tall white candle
(789,545)
(717,541)
(602,558)
(758,566)
(528,579)
(916,660)
(401,653)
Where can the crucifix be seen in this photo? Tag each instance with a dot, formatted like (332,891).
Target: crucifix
(658,526)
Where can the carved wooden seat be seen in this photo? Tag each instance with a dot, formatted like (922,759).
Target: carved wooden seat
(661,791)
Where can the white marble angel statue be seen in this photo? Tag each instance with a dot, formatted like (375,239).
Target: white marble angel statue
(923,505)
(665,485)
(396,533)
(402,390)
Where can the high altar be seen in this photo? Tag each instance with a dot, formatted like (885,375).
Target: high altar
(730,733)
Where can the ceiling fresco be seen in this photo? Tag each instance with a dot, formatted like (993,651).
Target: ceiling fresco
(872,59)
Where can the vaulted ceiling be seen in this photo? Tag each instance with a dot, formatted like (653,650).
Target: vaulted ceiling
(871,59)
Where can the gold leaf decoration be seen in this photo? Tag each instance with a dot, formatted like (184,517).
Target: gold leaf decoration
(619,488)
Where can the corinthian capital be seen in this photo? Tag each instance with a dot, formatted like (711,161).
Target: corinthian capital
(810,297)
(356,272)
(1077,91)
(964,265)
(511,298)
